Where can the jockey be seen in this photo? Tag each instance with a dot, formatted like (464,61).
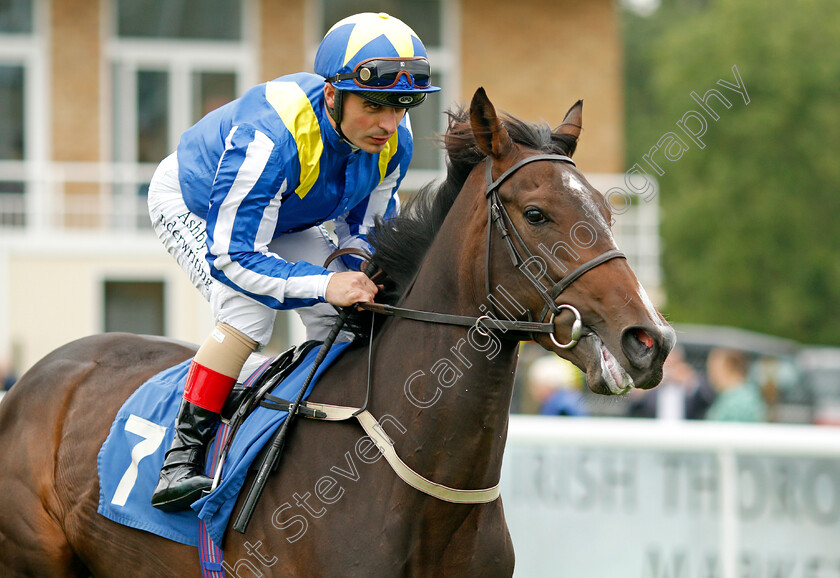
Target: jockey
(241,202)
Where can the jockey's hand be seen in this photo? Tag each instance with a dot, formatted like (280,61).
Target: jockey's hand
(350,287)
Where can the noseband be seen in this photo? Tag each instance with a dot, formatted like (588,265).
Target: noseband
(498,214)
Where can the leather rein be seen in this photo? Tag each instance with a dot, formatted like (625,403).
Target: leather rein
(498,215)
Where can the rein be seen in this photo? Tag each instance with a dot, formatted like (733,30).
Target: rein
(498,215)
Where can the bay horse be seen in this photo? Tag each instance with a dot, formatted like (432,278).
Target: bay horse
(442,391)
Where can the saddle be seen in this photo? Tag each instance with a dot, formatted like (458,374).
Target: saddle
(244,399)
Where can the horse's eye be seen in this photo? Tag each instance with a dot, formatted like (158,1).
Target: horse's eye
(535,216)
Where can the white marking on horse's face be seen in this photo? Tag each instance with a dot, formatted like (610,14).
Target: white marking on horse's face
(573,182)
(651,309)
(588,197)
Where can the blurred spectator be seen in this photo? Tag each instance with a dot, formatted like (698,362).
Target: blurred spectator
(737,398)
(682,394)
(555,385)
(777,380)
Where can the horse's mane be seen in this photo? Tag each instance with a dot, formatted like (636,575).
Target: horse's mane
(400,243)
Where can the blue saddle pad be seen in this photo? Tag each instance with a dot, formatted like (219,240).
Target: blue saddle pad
(129,461)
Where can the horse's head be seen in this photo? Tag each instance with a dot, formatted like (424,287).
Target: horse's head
(552,252)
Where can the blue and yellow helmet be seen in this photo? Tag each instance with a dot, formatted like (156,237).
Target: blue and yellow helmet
(377,57)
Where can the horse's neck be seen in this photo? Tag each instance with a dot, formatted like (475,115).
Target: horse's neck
(454,388)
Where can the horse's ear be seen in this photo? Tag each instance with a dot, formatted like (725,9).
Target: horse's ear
(569,132)
(490,135)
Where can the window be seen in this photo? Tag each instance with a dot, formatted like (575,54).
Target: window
(211,90)
(173,62)
(425,17)
(20,103)
(16,17)
(11,143)
(134,306)
(181,19)
(152,115)
(11,113)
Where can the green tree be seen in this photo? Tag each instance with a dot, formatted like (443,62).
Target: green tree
(749,223)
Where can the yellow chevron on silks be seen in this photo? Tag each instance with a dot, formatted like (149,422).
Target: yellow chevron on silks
(368,27)
(387,154)
(295,110)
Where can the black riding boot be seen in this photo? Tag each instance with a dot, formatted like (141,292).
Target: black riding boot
(182,478)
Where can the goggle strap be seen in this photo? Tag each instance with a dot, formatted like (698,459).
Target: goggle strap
(343,76)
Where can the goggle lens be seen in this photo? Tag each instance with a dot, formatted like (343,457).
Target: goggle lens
(385,73)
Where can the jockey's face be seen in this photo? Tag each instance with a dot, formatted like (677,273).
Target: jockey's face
(367,125)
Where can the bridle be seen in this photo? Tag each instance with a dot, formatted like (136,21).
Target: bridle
(491,321)
(498,214)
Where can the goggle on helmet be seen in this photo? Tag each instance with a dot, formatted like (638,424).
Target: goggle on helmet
(377,57)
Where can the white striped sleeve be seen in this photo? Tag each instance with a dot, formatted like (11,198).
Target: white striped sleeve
(268,223)
(256,157)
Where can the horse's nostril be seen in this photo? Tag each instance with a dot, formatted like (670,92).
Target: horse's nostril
(640,345)
(644,337)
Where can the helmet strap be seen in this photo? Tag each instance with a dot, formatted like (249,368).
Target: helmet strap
(335,113)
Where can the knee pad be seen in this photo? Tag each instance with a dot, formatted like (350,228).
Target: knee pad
(225,350)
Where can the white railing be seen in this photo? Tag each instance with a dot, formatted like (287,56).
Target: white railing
(110,198)
(107,197)
(649,499)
